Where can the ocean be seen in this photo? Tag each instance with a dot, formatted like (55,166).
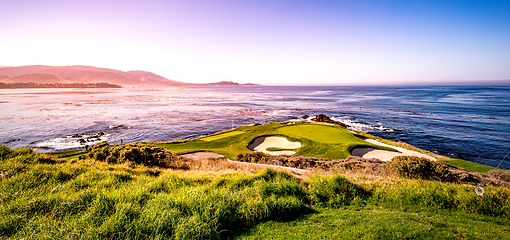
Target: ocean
(471,123)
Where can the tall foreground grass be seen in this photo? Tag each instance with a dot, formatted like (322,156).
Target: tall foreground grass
(45,197)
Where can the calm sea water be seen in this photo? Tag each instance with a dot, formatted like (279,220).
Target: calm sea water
(471,123)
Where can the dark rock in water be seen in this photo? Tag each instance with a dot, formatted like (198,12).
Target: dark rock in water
(82,140)
(100,134)
(13,140)
(322,118)
(326,119)
(118,127)
(94,138)
(76,136)
(305,117)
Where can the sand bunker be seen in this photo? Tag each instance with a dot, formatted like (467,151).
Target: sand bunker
(201,155)
(261,144)
(386,155)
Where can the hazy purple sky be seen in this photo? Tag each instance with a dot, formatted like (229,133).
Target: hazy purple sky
(352,42)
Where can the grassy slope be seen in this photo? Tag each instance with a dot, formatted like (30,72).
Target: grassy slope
(317,140)
(42,197)
(372,222)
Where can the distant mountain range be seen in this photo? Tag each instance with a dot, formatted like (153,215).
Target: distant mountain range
(84,74)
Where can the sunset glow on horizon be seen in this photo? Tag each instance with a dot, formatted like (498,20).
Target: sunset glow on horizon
(266,42)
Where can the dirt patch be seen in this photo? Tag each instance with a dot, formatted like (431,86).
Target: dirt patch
(201,155)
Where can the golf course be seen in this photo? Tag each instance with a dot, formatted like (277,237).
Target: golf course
(314,140)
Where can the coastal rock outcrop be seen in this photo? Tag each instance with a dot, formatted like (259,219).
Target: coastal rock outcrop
(325,119)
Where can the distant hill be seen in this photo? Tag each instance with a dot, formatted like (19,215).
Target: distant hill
(39,74)
(57,85)
(40,78)
(228,83)
(82,74)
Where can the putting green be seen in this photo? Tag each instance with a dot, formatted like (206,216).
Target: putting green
(318,140)
(319,133)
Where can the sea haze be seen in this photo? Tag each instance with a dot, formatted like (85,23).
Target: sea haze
(471,123)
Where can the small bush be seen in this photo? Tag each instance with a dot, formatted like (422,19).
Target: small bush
(416,167)
(5,151)
(141,153)
(255,157)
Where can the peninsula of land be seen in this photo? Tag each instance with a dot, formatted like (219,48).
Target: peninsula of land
(73,76)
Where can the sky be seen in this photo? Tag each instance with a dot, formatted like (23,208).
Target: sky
(273,42)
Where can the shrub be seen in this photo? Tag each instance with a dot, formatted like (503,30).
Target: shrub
(141,153)
(5,151)
(416,167)
(255,157)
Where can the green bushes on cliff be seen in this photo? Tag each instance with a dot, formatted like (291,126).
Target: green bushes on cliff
(254,157)
(416,167)
(135,152)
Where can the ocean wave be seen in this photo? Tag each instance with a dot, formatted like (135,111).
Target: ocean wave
(72,142)
(360,126)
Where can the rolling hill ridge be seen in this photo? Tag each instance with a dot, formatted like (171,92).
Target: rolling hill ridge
(40,74)
(82,74)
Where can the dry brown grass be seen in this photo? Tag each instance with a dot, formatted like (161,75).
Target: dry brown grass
(211,164)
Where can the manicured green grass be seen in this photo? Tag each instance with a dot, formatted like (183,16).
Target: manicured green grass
(274,149)
(221,135)
(319,133)
(317,140)
(470,166)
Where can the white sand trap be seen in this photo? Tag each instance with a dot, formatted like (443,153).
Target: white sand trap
(384,155)
(261,144)
(201,155)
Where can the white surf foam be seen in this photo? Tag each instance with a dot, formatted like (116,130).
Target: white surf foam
(355,125)
(72,142)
